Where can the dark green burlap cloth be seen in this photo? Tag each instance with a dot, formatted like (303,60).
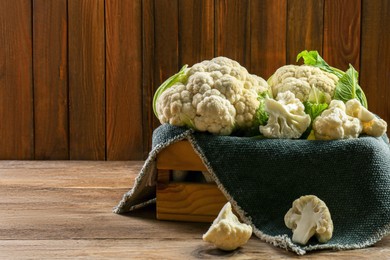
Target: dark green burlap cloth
(262,177)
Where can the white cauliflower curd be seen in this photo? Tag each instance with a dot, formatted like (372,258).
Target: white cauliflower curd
(287,118)
(227,232)
(334,123)
(215,95)
(372,125)
(301,79)
(349,120)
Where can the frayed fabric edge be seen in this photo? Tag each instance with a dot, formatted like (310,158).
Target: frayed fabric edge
(369,242)
(147,169)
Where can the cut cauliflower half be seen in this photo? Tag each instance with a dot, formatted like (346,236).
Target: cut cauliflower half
(217,96)
(300,79)
(309,216)
(227,232)
(287,118)
(334,123)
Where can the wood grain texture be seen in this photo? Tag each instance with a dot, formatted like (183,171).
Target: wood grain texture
(342,33)
(199,202)
(50,54)
(375,53)
(304,27)
(180,156)
(16,81)
(166,43)
(148,82)
(268,36)
(232,30)
(86,79)
(62,209)
(55,100)
(124,80)
(196,31)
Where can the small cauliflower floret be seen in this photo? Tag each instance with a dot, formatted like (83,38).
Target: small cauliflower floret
(214,114)
(309,216)
(335,124)
(217,96)
(246,108)
(372,125)
(229,87)
(226,232)
(287,118)
(256,83)
(180,107)
(301,79)
(299,87)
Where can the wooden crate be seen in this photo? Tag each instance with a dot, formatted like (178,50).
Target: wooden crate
(185,201)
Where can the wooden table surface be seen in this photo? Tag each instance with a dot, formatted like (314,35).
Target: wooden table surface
(62,209)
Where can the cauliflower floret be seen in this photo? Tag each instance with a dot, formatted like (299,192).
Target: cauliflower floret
(309,216)
(287,118)
(179,100)
(299,87)
(334,123)
(230,87)
(326,82)
(214,95)
(226,232)
(256,83)
(246,108)
(371,124)
(300,79)
(214,114)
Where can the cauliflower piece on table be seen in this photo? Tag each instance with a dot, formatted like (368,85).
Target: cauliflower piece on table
(215,95)
(309,216)
(226,232)
(287,118)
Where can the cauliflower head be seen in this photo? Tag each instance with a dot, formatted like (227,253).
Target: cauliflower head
(226,232)
(301,79)
(287,117)
(334,123)
(215,95)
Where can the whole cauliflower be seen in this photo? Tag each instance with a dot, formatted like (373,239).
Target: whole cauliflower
(301,79)
(287,118)
(215,95)
(334,123)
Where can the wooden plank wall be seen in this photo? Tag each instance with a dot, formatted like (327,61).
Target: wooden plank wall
(77,76)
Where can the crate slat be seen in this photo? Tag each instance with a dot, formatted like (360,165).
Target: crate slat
(199,202)
(179,156)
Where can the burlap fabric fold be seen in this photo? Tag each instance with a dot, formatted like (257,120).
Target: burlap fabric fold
(262,177)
